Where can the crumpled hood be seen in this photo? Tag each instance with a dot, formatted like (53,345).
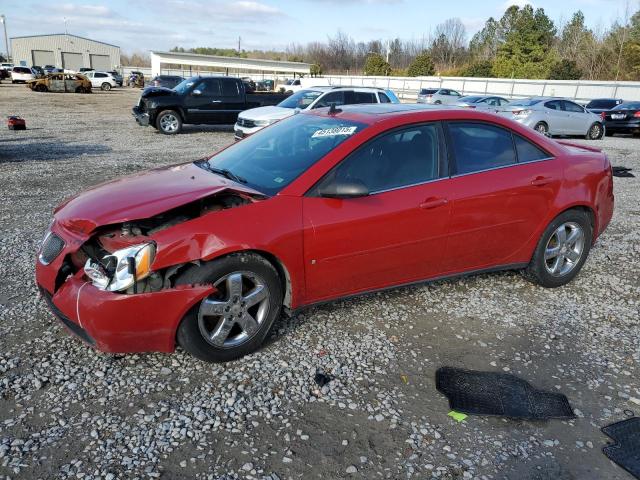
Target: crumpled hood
(140,196)
(268,113)
(151,92)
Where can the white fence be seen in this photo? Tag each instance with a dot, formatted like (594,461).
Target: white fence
(407,88)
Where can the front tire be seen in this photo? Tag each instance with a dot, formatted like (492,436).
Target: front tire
(235,320)
(596,132)
(562,250)
(169,122)
(105,87)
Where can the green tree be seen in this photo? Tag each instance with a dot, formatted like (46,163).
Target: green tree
(422,66)
(376,65)
(527,51)
(479,68)
(565,70)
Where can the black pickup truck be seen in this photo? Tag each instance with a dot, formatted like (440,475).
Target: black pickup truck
(198,100)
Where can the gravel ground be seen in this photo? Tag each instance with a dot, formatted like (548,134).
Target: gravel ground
(69,412)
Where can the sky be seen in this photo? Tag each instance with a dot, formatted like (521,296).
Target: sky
(142,25)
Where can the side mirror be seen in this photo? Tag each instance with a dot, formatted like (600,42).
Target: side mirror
(344,189)
(196,93)
(296,111)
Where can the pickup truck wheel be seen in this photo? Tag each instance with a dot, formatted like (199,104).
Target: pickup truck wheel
(106,86)
(235,320)
(169,122)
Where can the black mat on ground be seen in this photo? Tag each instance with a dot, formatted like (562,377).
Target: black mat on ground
(490,393)
(626,451)
(622,172)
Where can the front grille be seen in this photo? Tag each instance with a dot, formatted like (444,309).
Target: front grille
(51,248)
(245,122)
(73,327)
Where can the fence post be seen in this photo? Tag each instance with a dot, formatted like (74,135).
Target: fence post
(615,91)
(513,85)
(575,95)
(464,81)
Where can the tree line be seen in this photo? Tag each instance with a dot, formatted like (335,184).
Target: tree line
(523,43)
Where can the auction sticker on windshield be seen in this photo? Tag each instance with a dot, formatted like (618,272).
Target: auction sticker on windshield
(332,132)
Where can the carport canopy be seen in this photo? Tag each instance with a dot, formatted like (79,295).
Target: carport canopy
(227,63)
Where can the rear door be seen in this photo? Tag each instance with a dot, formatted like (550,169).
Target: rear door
(397,233)
(501,190)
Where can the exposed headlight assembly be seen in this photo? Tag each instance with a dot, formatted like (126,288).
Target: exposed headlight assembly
(122,269)
(264,123)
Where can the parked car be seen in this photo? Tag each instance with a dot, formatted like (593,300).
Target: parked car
(49,68)
(4,74)
(198,100)
(482,102)
(86,69)
(249,84)
(167,81)
(624,118)
(136,79)
(600,105)
(101,80)
(6,66)
(555,116)
(438,96)
(291,86)
(117,77)
(320,206)
(38,72)
(256,119)
(61,82)
(21,75)
(264,85)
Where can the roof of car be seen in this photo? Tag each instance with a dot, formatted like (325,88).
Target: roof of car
(327,88)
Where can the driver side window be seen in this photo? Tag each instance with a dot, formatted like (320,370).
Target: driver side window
(209,87)
(398,159)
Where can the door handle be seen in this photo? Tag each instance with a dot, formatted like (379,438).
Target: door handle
(433,203)
(541,181)
(216,101)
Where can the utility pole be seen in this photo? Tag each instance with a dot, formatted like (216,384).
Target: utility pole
(3,19)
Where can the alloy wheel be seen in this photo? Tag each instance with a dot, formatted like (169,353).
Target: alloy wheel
(564,249)
(235,313)
(541,128)
(595,132)
(169,123)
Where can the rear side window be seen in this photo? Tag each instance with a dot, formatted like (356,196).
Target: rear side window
(101,75)
(229,87)
(398,159)
(359,97)
(478,146)
(527,151)
(554,105)
(428,91)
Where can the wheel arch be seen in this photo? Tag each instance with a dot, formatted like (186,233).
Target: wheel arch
(588,209)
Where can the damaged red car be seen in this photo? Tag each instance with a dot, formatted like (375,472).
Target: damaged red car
(322,205)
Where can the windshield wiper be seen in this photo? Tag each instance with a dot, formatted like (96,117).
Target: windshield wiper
(224,172)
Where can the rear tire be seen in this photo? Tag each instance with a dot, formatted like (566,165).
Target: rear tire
(204,333)
(169,122)
(542,127)
(562,250)
(596,132)
(105,87)
(41,88)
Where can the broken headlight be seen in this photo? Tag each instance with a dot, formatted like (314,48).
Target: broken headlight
(122,269)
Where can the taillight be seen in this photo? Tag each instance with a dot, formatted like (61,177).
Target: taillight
(429,96)
(521,112)
(636,115)
(603,115)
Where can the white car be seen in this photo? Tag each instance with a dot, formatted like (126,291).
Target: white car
(252,120)
(438,96)
(6,66)
(21,74)
(101,80)
(293,85)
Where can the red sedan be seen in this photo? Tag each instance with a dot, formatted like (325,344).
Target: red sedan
(319,206)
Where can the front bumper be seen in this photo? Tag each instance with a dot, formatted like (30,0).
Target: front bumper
(240,132)
(114,322)
(142,118)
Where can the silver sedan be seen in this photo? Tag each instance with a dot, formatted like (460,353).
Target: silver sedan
(555,116)
(482,102)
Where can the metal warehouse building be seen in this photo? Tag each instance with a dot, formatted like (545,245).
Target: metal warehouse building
(64,51)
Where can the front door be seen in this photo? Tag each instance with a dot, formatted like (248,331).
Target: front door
(502,189)
(203,98)
(394,235)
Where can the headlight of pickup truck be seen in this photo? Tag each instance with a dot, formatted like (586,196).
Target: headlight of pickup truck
(264,123)
(120,270)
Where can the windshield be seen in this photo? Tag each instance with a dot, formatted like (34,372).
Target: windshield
(301,99)
(628,106)
(185,85)
(529,102)
(471,99)
(272,158)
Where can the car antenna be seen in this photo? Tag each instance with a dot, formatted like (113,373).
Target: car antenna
(333,109)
